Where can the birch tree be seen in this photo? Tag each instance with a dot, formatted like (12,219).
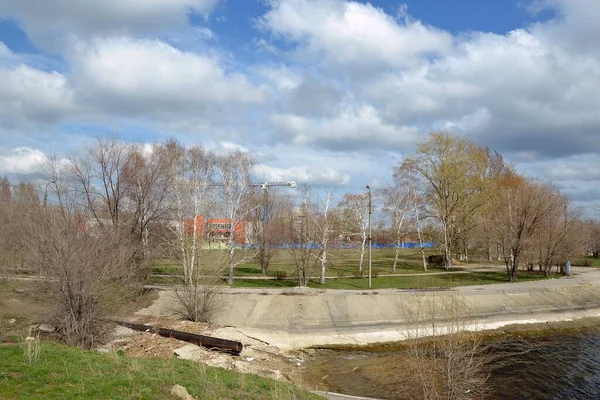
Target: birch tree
(191,176)
(233,173)
(396,201)
(355,213)
(323,225)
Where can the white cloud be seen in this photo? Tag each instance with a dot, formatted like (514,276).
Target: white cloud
(354,128)
(353,34)
(30,97)
(52,20)
(21,160)
(302,174)
(149,78)
(280,77)
(515,92)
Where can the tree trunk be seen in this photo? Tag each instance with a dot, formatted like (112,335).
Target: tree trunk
(323,263)
(231,263)
(396,254)
(447,248)
(362,255)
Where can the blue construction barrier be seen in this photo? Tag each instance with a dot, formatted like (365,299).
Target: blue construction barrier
(409,245)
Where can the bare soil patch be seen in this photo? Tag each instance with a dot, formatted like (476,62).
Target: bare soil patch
(257,357)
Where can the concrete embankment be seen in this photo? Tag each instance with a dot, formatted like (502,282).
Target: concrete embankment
(302,317)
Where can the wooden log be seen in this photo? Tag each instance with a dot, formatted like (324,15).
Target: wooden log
(201,340)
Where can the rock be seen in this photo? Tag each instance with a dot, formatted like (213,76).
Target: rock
(188,352)
(46,328)
(12,321)
(181,393)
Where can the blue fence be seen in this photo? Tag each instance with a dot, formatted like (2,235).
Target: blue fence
(410,245)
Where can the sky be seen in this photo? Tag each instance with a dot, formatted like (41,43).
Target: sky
(329,93)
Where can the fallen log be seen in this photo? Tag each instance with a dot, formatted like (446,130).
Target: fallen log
(210,342)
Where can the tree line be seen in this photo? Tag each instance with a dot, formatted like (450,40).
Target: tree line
(94,225)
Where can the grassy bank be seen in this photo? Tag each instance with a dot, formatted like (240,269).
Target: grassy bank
(67,373)
(399,282)
(341,261)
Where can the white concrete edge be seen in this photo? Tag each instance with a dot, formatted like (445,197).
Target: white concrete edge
(286,340)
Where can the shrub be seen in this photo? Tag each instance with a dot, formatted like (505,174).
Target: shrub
(436,260)
(196,302)
(87,274)
(280,275)
(583,262)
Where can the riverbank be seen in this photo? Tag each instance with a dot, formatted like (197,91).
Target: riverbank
(300,318)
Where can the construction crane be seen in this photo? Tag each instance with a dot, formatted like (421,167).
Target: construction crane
(265,188)
(265,185)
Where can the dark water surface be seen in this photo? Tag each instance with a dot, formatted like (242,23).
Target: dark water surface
(561,366)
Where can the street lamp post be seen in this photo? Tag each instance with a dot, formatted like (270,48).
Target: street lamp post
(370,238)
(46,192)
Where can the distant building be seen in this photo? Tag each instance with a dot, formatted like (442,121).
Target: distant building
(217,231)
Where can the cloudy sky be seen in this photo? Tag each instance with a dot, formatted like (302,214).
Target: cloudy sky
(328,92)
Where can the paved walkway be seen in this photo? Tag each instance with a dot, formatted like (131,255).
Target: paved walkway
(305,317)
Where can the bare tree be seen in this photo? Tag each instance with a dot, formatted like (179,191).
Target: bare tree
(306,235)
(558,237)
(355,212)
(15,202)
(265,207)
(100,180)
(521,212)
(396,199)
(592,232)
(147,174)
(87,271)
(233,171)
(447,358)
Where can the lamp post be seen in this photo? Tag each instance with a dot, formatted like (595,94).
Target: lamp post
(46,192)
(370,238)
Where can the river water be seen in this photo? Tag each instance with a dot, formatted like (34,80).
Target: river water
(560,366)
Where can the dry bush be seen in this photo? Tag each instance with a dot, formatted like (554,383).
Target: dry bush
(87,271)
(446,356)
(200,298)
(197,301)
(31,347)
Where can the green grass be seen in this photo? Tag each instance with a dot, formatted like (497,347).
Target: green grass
(71,373)
(341,261)
(399,282)
(596,261)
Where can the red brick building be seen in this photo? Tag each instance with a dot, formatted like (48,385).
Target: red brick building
(215,230)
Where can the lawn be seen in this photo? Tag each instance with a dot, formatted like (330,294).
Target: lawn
(595,261)
(70,373)
(343,267)
(399,282)
(342,262)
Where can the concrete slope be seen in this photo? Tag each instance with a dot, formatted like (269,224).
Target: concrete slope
(302,317)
